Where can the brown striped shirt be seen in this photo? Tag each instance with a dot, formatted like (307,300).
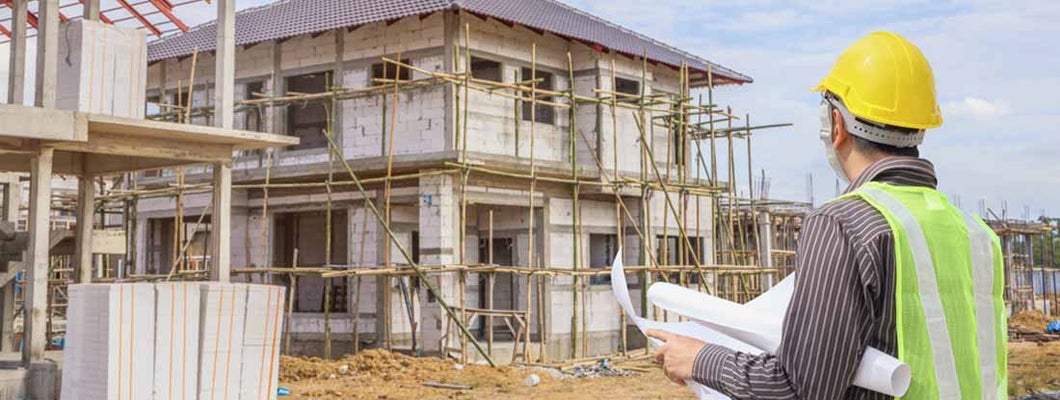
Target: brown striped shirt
(843,302)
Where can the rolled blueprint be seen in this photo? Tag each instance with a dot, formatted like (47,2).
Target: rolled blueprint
(760,323)
(878,371)
(688,328)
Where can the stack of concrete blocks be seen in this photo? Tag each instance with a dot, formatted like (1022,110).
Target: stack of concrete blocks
(261,344)
(112,334)
(178,340)
(102,69)
(224,315)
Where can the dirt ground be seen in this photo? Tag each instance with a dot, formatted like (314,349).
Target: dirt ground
(377,374)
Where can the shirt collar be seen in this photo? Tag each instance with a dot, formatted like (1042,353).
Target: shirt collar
(898,170)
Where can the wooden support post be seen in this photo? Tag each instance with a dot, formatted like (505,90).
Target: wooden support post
(224,73)
(16,72)
(86,193)
(47,53)
(220,222)
(36,283)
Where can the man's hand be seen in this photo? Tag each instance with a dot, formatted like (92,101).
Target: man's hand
(676,355)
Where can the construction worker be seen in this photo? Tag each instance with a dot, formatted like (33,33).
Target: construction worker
(891,264)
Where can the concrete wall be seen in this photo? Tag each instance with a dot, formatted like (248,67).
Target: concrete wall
(424,119)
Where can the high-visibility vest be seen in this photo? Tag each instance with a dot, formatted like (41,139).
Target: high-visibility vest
(949,305)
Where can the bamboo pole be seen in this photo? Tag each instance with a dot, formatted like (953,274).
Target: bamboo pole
(290,303)
(533,184)
(463,189)
(408,257)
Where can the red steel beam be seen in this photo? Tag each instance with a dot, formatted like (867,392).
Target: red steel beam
(5,31)
(167,9)
(147,24)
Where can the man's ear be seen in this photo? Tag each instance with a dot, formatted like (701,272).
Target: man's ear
(839,130)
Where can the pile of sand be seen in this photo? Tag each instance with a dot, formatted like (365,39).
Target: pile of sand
(1033,320)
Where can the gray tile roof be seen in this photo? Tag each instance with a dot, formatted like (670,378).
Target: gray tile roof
(288,18)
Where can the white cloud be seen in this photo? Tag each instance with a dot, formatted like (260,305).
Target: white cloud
(975,108)
(767,20)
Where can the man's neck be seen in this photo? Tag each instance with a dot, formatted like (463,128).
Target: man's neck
(858,163)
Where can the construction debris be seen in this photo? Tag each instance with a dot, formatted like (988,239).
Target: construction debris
(602,368)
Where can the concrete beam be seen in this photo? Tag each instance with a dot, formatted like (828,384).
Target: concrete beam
(36,286)
(47,53)
(16,72)
(47,124)
(225,65)
(86,195)
(91,10)
(220,223)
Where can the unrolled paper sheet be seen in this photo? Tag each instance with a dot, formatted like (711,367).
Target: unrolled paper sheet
(752,328)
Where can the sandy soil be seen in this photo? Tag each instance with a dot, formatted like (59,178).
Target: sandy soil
(1033,367)
(376,374)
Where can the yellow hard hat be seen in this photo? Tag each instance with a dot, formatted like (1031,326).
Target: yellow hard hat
(884,78)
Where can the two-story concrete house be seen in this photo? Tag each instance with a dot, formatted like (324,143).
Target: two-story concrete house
(295,47)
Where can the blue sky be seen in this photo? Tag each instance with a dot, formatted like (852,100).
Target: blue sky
(996,64)
(997,67)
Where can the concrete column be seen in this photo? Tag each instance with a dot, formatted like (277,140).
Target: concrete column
(7,320)
(221,224)
(765,246)
(91,10)
(47,52)
(439,233)
(276,113)
(225,64)
(12,198)
(337,80)
(16,72)
(86,197)
(36,286)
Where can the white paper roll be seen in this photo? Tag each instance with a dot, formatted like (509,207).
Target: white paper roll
(754,328)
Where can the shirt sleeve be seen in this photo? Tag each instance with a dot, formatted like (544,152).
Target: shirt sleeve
(826,328)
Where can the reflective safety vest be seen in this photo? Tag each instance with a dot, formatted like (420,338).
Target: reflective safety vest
(949,283)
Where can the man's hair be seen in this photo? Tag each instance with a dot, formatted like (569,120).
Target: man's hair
(869,147)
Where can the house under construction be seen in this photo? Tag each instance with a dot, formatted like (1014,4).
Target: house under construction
(506,149)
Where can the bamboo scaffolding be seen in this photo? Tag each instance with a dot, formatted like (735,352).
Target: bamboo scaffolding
(731,276)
